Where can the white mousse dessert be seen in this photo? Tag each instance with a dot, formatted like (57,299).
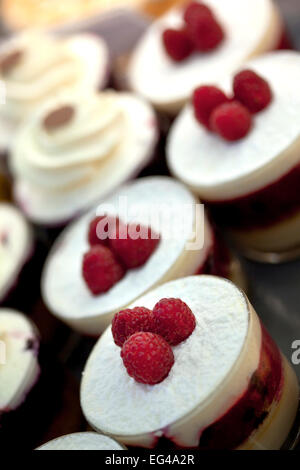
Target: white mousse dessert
(82,441)
(16,247)
(77,149)
(35,67)
(186,242)
(251,27)
(229,386)
(251,185)
(19,367)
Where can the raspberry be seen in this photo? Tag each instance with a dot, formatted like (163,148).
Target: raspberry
(100,269)
(133,251)
(173,320)
(177,44)
(205,32)
(232,121)
(130,321)
(205,100)
(252,90)
(194,9)
(101,228)
(147,357)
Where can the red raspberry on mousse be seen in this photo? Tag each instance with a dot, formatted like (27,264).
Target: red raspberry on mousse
(252,90)
(99,231)
(147,357)
(173,320)
(177,44)
(100,269)
(205,100)
(195,9)
(232,121)
(204,31)
(130,321)
(134,252)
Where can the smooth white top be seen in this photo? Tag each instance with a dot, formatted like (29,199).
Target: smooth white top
(159,202)
(218,169)
(16,245)
(156,76)
(20,369)
(115,403)
(82,441)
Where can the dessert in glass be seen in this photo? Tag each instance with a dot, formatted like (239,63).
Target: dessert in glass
(82,441)
(251,184)
(16,249)
(35,66)
(35,388)
(76,149)
(178,241)
(180,51)
(221,383)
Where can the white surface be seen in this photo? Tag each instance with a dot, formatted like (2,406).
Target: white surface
(21,368)
(64,289)
(82,441)
(58,175)
(154,75)
(16,246)
(218,169)
(115,403)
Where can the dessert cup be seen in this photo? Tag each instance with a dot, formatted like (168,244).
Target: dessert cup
(16,249)
(78,148)
(229,387)
(35,66)
(187,246)
(30,378)
(251,185)
(82,441)
(168,84)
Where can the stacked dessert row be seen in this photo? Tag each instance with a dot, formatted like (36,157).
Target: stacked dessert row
(183,360)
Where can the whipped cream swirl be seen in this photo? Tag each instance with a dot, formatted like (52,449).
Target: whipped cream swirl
(64,145)
(35,66)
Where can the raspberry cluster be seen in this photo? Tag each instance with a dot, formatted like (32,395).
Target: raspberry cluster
(201,32)
(231,117)
(115,247)
(146,337)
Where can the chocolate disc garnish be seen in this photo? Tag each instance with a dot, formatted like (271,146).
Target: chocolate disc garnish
(58,118)
(10,60)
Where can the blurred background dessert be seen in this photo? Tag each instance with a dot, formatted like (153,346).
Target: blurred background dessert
(35,66)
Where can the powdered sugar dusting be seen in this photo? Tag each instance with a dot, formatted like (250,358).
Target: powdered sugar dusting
(114,403)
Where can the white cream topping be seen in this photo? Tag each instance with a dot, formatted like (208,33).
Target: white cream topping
(16,246)
(165,83)
(47,66)
(217,169)
(82,441)
(116,404)
(63,286)
(65,170)
(20,370)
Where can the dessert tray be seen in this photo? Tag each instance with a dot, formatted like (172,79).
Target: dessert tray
(272,289)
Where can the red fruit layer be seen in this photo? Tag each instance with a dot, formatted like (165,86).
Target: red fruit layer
(250,409)
(263,208)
